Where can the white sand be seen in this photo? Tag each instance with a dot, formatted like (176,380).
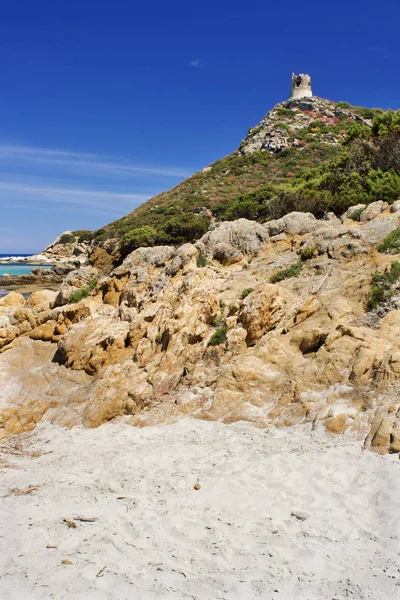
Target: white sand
(235,538)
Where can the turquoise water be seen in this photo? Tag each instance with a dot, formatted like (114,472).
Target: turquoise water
(18,268)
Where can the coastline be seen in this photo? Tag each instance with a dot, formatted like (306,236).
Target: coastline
(39,278)
(34,259)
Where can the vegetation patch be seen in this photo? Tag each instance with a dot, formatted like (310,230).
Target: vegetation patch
(83,293)
(253,131)
(201,260)
(84,235)
(356,215)
(384,285)
(391,244)
(308,251)
(282,125)
(343,105)
(141,237)
(292,271)
(284,112)
(219,336)
(246,292)
(67,238)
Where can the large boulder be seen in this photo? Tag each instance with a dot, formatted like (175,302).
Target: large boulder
(12,299)
(373,210)
(156,256)
(294,223)
(42,300)
(229,240)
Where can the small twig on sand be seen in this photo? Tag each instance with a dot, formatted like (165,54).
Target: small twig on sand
(71,524)
(24,492)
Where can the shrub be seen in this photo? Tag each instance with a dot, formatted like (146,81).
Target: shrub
(201,260)
(282,125)
(84,235)
(367,113)
(356,215)
(184,228)
(383,185)
(141,237)
(253,131)
(67,238)
(293,271)
(357,131)
(100,235)
(391,244)
(343,105)
(83,293)
(219,336)
(384,285)
(246,292)
(308,251)
(284,112)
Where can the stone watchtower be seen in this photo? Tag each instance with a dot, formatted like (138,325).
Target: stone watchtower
(301,86)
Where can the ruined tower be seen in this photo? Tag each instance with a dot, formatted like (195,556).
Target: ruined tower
(301,86)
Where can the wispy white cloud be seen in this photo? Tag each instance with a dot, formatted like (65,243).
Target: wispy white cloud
(93,163)
(197,63)
(44,191)
(99,201)
(58,192)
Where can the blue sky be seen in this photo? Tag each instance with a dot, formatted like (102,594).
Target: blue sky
(104,104)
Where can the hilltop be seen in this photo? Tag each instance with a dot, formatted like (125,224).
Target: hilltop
(296,138)
(305,154)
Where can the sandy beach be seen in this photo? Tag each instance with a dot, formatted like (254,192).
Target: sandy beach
(112,513)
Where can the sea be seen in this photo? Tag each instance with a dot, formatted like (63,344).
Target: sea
(16,268)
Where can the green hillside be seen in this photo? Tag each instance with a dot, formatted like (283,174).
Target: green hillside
(307,154)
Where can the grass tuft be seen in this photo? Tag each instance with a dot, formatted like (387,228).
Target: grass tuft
(293,271)
(391,244)
(246,292)
(201,260)
(219,336)
(83,293)
(384,285)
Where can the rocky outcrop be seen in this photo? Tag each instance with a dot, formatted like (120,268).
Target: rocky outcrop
(164,335)
(228,242)
(67,247)
(39,278)
(282,127)
(77,279)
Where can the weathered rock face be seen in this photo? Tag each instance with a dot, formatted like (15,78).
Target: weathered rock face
(242,236)
(276,132)
(300,350)
(71,248)
(76,280)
